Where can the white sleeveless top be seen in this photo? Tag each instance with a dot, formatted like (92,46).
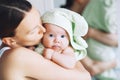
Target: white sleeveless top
(3,50)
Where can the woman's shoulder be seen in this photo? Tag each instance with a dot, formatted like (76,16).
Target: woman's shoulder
(20,61)
(19,51)
(21,55)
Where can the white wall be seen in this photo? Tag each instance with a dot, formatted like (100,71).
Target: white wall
(43,5)
(58,3)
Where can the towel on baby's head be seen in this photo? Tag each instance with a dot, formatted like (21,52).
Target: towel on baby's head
(75,25)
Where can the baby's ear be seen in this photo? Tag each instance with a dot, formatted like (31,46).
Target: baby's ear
(8,41)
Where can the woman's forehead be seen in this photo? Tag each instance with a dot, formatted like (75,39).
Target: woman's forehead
(30,20)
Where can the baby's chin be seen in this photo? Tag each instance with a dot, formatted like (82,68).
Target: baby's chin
(57,48)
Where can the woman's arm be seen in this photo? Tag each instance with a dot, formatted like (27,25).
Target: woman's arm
(106,38)
(25,63)
(96,67)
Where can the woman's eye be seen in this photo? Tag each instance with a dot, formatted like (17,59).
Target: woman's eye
(51,35)
(62,36)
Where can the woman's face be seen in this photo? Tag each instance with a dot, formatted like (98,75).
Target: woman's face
(30,30)
(83,1)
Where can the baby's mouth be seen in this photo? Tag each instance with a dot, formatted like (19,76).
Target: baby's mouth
(56,47)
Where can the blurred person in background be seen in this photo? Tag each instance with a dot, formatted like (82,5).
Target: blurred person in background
(102,36)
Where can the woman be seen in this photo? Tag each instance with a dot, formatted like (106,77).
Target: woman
(20,27)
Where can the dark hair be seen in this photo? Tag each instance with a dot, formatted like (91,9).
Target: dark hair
(12,13)
(68,4)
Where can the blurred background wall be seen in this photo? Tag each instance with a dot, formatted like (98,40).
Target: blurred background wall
(43,5)
(58,3)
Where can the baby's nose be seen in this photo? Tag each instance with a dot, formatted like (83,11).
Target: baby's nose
(57,40)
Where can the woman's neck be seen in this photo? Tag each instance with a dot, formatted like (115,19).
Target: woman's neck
(76,7)
(79,7)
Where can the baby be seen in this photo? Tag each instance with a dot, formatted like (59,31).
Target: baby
(62,41)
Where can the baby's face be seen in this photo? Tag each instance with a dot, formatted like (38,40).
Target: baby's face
(55,37)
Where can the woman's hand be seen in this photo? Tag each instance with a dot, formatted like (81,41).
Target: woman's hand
(90,33)
(97,67)
(109,39)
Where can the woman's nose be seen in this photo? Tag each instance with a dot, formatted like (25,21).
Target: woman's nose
(43,29)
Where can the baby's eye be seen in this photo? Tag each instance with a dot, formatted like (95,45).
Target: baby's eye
(51,35)
(62,36)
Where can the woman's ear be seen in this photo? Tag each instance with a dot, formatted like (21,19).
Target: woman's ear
(9,41)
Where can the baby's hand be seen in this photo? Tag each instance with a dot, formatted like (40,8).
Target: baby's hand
(47,53)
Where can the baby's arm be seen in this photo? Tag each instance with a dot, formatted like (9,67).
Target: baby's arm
(48,53)
(65,59)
